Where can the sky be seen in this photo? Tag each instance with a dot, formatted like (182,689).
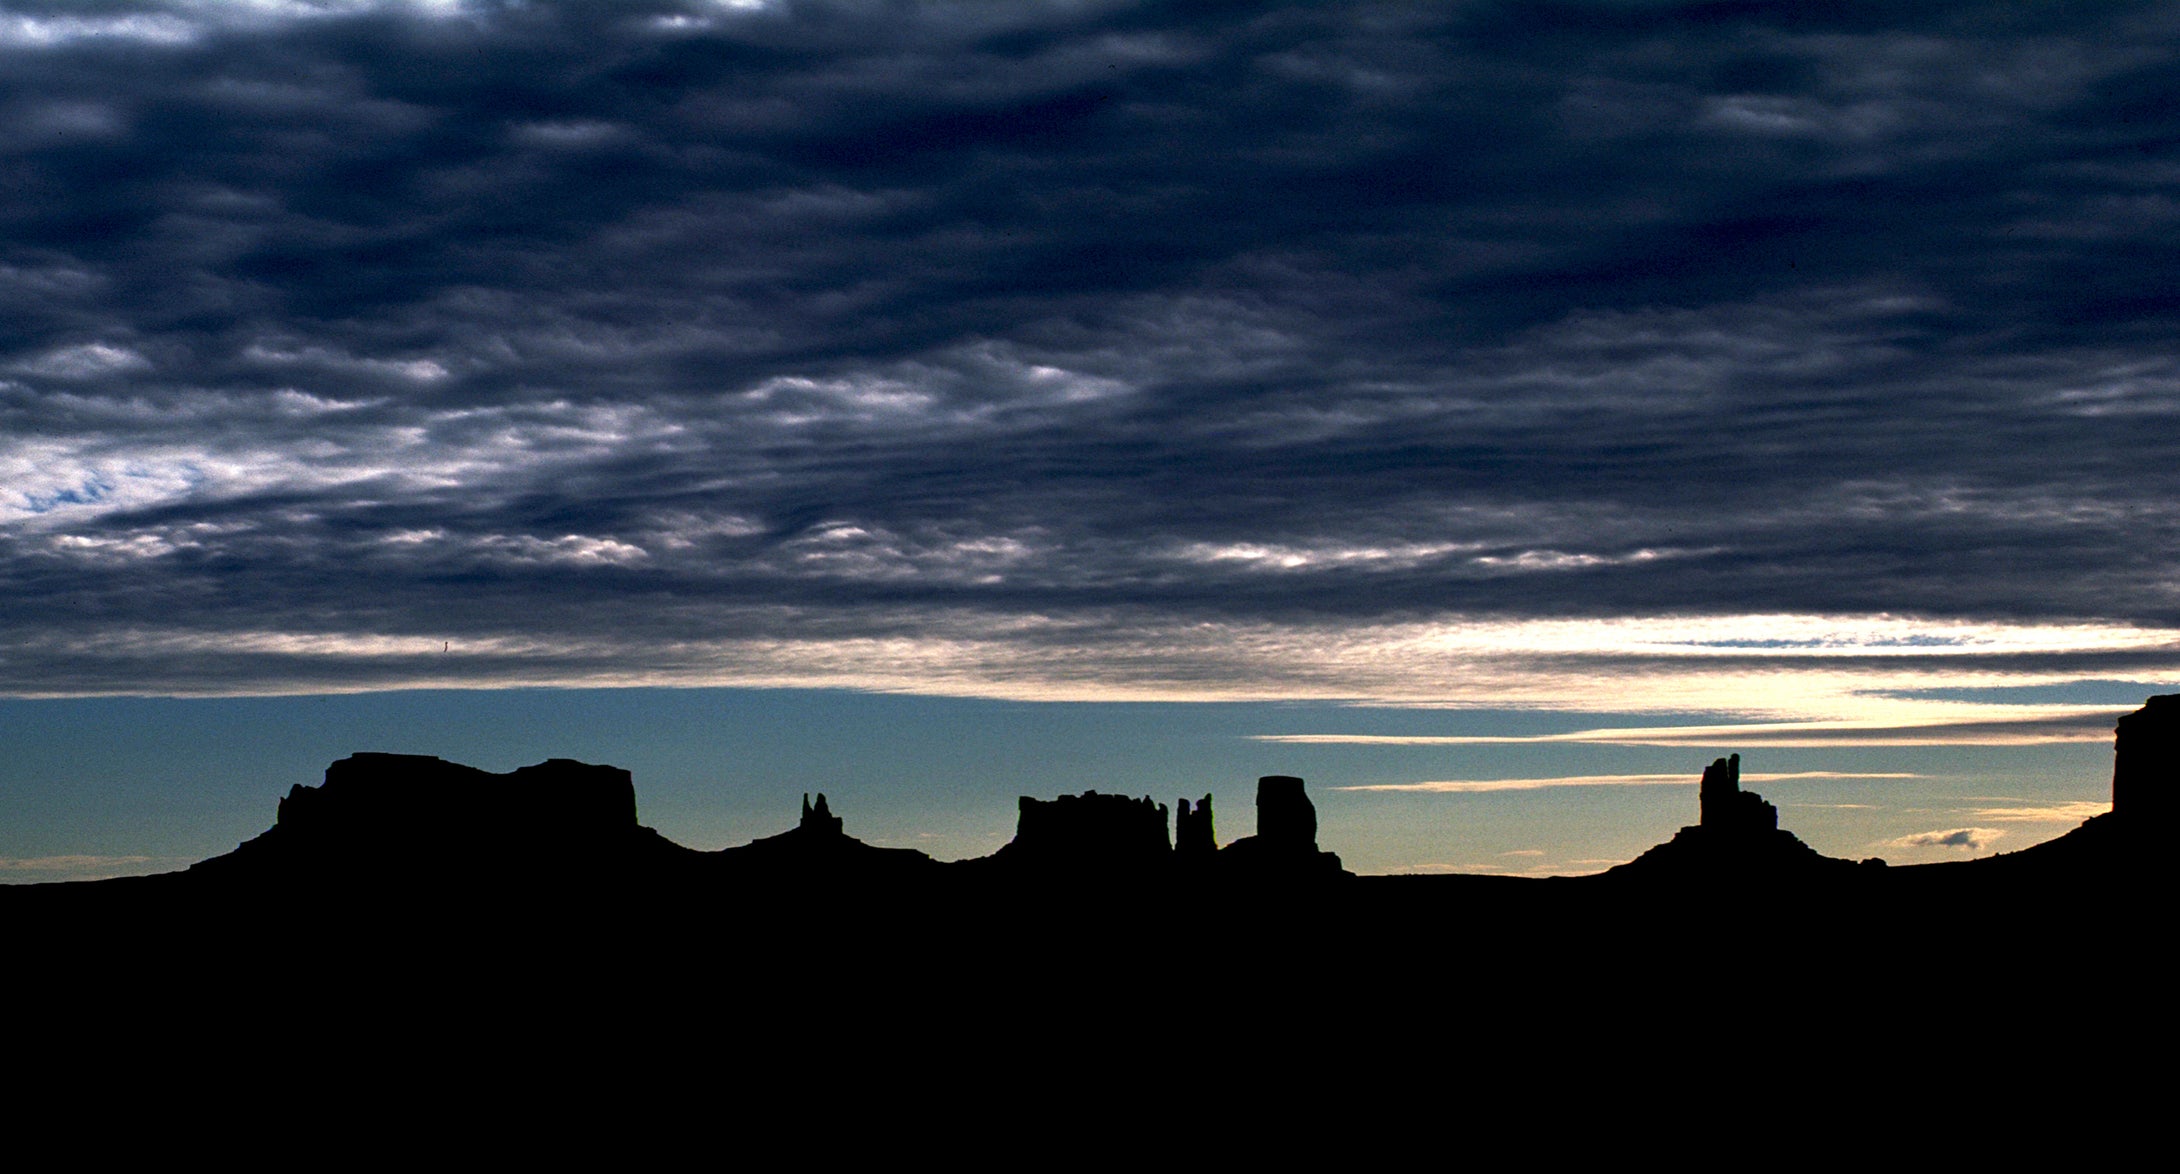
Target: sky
(957,401)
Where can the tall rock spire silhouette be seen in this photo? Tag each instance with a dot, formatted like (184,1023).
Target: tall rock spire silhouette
(1192,835)
(1722,804)
(1736,833)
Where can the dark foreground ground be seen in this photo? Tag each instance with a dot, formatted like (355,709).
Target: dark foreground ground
(1369,975)
(635,1002)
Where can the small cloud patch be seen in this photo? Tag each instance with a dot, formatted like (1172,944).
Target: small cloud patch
(1967,839)
(85,362)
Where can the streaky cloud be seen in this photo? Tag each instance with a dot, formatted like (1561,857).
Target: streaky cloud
(1478,786)
(2071,812)
(2089,725)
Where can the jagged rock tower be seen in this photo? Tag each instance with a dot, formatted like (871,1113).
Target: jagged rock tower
(1088,833)
(1722,804)
(819,820)
(1192,838)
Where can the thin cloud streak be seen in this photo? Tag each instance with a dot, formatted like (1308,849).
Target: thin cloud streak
(1479,786)
(82,867)
(1582,867)
(2085,725)
(2066,813)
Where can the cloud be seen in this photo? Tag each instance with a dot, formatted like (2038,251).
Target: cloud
(84,361)
(1993,727)
(2070,812)
(1536,868)
(54,869)
(23,31)
(52,863)
(1481,355)
(1971,839)
(1472,786)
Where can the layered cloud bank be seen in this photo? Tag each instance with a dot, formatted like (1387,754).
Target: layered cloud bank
(1780,363)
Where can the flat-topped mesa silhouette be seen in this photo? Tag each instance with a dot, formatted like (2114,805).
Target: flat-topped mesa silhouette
(2113,846)
(1087,834)
(2146,760)
(411,794)
(410,817)
(1737,832)
(1285,845)
(409,821)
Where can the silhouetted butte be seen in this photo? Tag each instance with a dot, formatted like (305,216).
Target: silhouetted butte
(1285,846)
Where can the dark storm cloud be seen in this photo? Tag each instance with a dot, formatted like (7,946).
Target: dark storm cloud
(692,338)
